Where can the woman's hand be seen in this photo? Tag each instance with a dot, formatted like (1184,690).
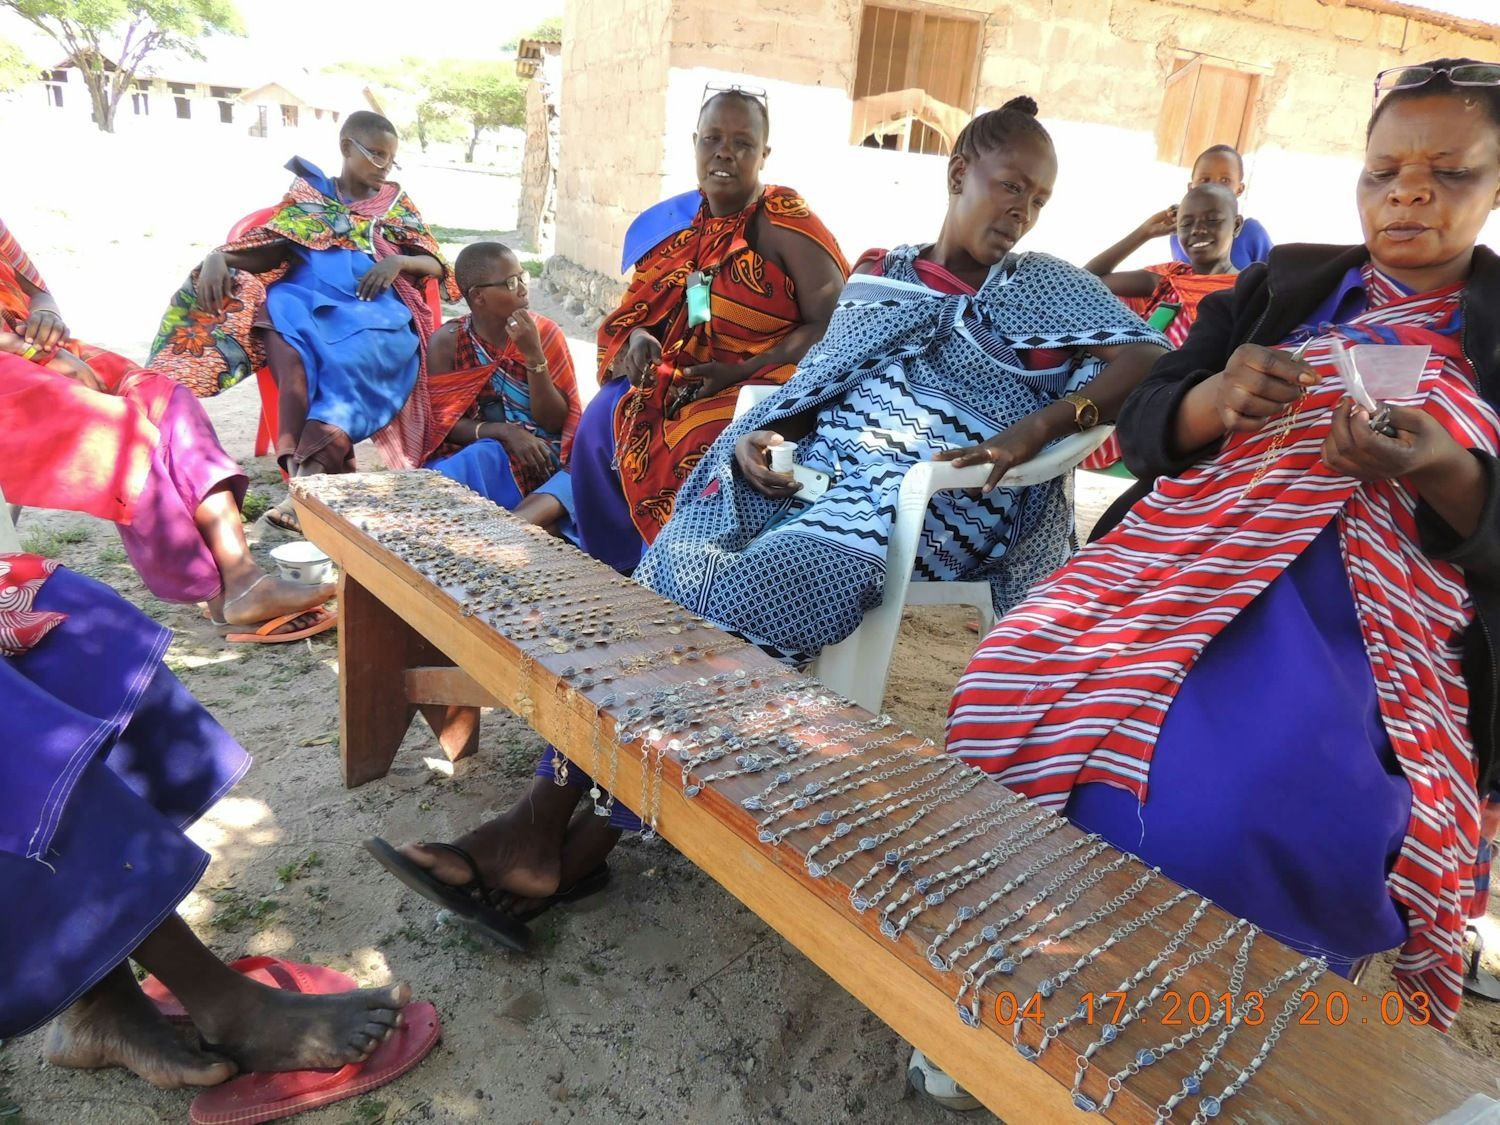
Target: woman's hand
(522,446)
(1160,224)
(1003,452)
(750,453)
(215,283)
(64,363)
(703,380)
(1421,445)
(1256,385)
(521,326)
(379,277)
(44,328)
(637,361)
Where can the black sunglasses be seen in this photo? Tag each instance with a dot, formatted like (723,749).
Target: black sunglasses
(1410,77)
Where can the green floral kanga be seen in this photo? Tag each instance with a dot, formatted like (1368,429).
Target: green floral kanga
(211,352)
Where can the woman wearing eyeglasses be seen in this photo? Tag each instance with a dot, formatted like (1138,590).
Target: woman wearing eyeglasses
(326,293)
(1274,678)
(502,384)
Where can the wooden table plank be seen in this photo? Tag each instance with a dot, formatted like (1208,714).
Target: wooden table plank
(1319,1072)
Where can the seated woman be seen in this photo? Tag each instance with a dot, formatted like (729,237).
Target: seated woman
(323,292)
(1294,740)
(797,576)
(109,760)
(109,439)
(732,284)
(501,380)
(891,384)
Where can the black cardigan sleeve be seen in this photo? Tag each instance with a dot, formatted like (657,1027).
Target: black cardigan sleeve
(1149,415)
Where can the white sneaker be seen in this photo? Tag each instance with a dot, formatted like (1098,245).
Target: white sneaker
(926,1078)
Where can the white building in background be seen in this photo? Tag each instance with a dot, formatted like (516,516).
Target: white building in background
(177,92)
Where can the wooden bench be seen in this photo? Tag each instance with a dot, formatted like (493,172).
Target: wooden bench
(406,646)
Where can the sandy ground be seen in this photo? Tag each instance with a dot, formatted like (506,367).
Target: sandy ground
(661,999)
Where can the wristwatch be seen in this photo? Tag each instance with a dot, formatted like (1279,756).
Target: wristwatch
(1085,412)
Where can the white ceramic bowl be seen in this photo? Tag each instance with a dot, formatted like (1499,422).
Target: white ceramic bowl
(303,562)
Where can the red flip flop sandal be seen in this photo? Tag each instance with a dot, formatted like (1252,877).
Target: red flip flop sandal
(251,1098)
(273,972)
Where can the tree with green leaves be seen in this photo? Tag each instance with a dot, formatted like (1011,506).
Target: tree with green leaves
(482,95)
(16,69)
(108,40)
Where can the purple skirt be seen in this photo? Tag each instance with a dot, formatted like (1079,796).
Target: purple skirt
(110,759)
(1274,790)
(600,510)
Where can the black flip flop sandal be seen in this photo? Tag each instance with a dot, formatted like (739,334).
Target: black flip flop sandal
(468,903)
(1479,982)
(591,884)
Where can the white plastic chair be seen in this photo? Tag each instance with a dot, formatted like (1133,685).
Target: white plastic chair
(10,542)
(857,667)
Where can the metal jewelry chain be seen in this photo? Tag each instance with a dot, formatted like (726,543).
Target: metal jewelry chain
(949,790)
(896,857)
(1212,1106)
(1112,1030)
(971,982)
(817,791)
(950,882)
(1150,1056)
(992,931)
(992,816)
(757,802)
(1048,988)
(829,816)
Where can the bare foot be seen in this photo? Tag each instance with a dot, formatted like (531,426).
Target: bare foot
(520,851)
(263,596)
(115,1025)
(266,1029)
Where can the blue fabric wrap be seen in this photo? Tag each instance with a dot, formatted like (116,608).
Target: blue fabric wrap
(361,356)
(903,373)
(116,862)
(656,224)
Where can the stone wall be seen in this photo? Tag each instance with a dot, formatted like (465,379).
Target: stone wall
(536,218)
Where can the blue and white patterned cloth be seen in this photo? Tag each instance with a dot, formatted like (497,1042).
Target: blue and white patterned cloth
(903,373)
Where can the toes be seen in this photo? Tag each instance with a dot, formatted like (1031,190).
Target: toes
(399,995)
(363,1043)
(379,1031)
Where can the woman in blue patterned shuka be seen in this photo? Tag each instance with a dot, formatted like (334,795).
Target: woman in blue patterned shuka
(960,350)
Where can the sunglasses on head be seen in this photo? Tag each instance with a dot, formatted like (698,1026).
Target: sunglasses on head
(389,162)
(1410,77)
(515,283)
(714,89)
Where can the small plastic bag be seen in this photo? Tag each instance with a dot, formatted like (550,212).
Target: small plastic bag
(698,293)
(1378,373)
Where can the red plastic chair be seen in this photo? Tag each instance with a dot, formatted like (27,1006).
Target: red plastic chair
(265,433)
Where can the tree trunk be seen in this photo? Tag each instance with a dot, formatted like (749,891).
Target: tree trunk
(104,106)
(473,143)
(421,132)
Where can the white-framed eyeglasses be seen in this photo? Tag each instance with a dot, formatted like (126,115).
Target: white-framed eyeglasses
(389,162)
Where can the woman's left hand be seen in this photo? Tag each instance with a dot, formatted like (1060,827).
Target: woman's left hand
(43,329)
(1357,451)
(1004,451)
(380,277)
(703,380)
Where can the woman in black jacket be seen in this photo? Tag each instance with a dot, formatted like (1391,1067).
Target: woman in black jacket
(1341,560)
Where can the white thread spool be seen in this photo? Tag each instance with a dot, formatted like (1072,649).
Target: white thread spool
(783,457)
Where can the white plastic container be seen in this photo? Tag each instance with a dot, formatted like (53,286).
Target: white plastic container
(783,456)
(304,563)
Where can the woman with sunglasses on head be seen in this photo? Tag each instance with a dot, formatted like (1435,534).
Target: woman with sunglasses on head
(501,381)
(733,283)
(1274,677)
(326,292)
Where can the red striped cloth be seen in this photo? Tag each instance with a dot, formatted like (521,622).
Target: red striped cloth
(1074,684)
(12,254)
(21,627)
